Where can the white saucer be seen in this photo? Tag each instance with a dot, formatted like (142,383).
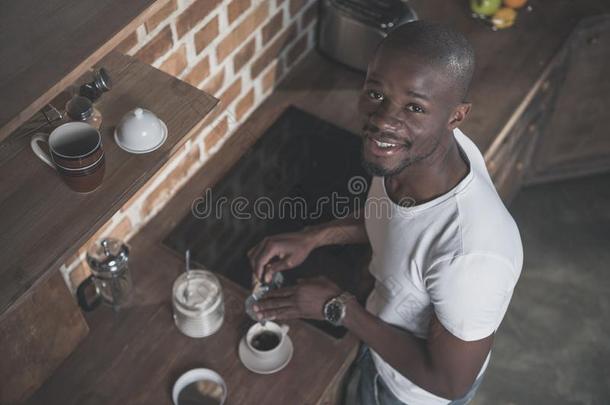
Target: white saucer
(259,366)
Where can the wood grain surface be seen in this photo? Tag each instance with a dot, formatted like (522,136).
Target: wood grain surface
(36,337)
(46,45)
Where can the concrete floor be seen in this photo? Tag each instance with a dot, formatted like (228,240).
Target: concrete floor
(553,346)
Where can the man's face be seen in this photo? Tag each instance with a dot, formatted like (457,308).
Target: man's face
(406,106)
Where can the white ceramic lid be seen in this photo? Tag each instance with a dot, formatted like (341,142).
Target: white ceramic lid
(140,131)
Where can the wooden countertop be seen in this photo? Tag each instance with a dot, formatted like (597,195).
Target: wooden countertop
(135,356)
(43,221)
(47,45)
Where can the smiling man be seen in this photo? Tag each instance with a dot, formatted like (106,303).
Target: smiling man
(446,254)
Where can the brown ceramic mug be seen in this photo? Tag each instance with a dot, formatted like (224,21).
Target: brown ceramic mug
(75,151)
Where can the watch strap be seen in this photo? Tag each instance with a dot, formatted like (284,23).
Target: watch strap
(344,297)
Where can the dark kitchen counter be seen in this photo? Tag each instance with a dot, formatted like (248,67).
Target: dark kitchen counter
(135,356)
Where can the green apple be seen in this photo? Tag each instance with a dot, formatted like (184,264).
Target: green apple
(485,7)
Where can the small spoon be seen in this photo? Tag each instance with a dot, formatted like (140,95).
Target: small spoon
(187,259)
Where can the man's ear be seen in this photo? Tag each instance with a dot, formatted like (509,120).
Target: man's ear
(459,115)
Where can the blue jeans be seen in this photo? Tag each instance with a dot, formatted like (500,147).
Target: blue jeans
(366,387)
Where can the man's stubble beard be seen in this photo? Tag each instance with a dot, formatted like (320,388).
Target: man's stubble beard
(379,171)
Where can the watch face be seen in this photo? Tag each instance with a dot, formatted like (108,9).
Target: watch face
(333,312)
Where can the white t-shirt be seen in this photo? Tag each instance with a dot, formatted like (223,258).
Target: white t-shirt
(459,255)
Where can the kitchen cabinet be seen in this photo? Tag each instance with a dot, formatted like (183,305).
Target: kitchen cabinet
(575,139)
(558,130)
(509,157)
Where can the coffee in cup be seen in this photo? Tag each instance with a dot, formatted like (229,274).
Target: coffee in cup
(265,341)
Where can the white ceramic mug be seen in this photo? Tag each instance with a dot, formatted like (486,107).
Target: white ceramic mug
(272,327)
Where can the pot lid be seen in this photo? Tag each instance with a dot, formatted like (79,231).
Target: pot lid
(107,256)
(377,12)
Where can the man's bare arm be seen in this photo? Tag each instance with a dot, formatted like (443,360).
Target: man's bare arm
(443,364)
(345,231)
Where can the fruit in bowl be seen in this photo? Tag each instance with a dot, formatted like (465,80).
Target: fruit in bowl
(497,14)
(504,18)
(515,3)
(485,7)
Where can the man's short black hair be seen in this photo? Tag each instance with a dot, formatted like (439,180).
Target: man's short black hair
(439,45)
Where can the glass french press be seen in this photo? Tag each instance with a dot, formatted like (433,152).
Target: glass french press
(110,280)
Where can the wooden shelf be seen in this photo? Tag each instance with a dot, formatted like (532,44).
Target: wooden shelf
(47,45)
(43,221)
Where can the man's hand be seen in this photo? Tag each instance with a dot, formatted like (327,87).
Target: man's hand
(291,249)
(304,300)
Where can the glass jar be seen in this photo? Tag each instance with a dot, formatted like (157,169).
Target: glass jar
(198,303)
(81,109)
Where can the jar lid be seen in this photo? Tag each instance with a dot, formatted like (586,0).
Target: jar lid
(79,108)
(199,291)
(107,256)
(102,80)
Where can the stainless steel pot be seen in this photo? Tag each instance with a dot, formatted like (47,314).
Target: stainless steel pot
(350,30)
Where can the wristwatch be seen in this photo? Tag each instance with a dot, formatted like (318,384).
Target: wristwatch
(334,309)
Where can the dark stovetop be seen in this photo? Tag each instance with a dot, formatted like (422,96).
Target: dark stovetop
(300,158)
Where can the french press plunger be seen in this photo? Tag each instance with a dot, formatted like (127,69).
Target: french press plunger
(110,278)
